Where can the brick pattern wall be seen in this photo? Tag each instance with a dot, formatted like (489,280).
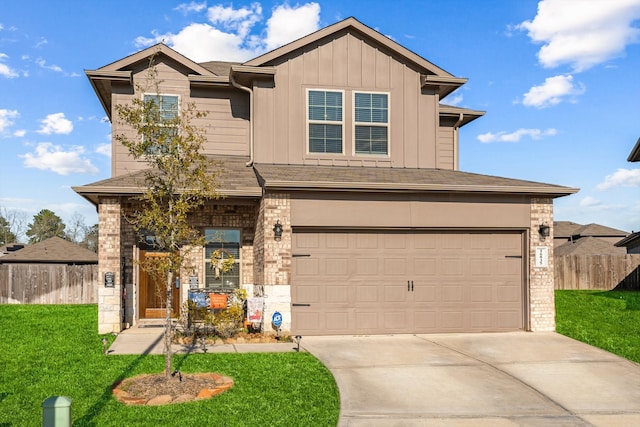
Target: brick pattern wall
(541,287)
(273,259)
(109,299)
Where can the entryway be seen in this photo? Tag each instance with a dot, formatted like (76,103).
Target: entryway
(153,292)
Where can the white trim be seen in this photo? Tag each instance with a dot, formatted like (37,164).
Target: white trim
(308,122)
(354,124)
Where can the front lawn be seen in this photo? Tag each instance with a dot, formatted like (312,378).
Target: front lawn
(606,319)
(55,351)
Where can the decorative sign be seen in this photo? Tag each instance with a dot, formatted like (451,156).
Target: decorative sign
(198,298)
(193,282)
(276,319)
(254,309)
(542,256)
(109,279)
(218,300)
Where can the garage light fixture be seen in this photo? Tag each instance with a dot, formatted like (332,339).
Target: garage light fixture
(277,231)
(544,230)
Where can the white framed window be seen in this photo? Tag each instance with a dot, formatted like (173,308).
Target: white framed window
(371,123)
(220,244)
(325,121)
(165,111)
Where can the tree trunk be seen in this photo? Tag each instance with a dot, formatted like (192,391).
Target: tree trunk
(167,328)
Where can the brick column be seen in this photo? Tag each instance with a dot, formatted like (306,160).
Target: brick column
(272,272)
(541,286)
(109,299)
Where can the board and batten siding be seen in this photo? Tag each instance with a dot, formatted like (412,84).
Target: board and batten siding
(346,62)
(226,125)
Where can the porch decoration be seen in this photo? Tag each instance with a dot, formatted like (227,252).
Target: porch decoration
(222,261)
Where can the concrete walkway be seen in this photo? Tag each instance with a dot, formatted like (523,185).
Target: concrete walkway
(148,339)
(489,379)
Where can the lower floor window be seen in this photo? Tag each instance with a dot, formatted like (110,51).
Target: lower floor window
(222,259)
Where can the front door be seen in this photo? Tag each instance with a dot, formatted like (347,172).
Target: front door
(153,293)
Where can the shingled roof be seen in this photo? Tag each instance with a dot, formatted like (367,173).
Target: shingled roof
(53,250)
(396,179)
(588,246)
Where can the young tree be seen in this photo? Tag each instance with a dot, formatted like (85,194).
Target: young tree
(76,229)
(179,180)
(90,240)
(45,224)
(14,225)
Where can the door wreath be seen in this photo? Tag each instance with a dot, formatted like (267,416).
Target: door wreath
(222,261)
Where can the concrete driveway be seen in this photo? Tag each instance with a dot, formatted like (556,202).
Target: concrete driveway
(489,379)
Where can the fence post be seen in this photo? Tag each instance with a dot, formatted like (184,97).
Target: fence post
(56,412)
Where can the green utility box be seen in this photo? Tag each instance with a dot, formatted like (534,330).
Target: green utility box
(56,412)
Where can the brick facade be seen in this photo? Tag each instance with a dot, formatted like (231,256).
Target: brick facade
(541,286)
(109,298)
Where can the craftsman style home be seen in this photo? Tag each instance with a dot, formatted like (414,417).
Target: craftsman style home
(344,207)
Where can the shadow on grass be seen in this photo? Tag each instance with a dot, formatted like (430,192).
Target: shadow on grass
(98,406)
(630,297)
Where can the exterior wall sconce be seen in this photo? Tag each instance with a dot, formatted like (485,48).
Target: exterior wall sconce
(544,230)
(277,231)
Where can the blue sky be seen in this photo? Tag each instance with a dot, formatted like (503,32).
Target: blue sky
(557,78)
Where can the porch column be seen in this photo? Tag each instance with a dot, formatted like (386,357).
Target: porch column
(109,297)
(542,309)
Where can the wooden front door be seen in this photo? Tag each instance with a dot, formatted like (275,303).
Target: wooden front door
(153,293)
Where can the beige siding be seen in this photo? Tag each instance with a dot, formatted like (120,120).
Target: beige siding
(445,156)
(350,63)
(226,125)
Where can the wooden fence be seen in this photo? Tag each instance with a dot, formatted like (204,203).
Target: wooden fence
(604,272)
(48,284)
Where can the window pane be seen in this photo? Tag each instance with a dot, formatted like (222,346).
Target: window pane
(371,140)
(325,138)
(371,108)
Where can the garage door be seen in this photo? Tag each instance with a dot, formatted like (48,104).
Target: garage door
(406,282)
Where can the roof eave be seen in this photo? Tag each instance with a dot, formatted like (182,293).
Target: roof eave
(104,79)
(635,153)
(412,187)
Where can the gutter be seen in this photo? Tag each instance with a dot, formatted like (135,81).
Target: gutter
(456,138)
(250,91)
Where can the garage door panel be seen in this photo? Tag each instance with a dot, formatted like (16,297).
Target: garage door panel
(357,282)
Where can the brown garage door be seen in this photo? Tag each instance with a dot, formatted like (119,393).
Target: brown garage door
(406,282)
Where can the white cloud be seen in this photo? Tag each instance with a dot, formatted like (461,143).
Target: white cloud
(621,178)
(5,70)
(552,92)
(582,33)
(290,23)
(589,201)
(6,118)
(104,149)
(20,133)
(230,34)
(191,7)
(52,157)
(454,99)
(515,136)
(55,123)
(43,64)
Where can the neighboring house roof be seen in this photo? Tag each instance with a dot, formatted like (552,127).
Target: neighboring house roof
(632,239)
(588,246)
(52,250)
(565,229)
(396,179)
(10,248)
(236,180)
(219,68)
(634,156)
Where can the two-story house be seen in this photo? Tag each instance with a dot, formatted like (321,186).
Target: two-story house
(343,139)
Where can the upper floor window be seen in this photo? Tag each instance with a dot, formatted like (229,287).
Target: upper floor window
(325,117)
(164,110)
(371,117)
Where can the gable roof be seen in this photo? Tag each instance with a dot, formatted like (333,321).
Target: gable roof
(348,178)
(588,246)
(632,239)
(52,250)
(634,156)
(237,180)
(566,229)
(435,75)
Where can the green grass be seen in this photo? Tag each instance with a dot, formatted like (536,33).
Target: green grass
(55,351)
(606,319)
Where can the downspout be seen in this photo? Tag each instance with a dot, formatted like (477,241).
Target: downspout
(456,126)
(250,91)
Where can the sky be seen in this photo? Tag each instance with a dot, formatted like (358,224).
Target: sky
(558,79)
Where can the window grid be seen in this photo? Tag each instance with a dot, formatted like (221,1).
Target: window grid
(371,123)
(325,117)
(168,111)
